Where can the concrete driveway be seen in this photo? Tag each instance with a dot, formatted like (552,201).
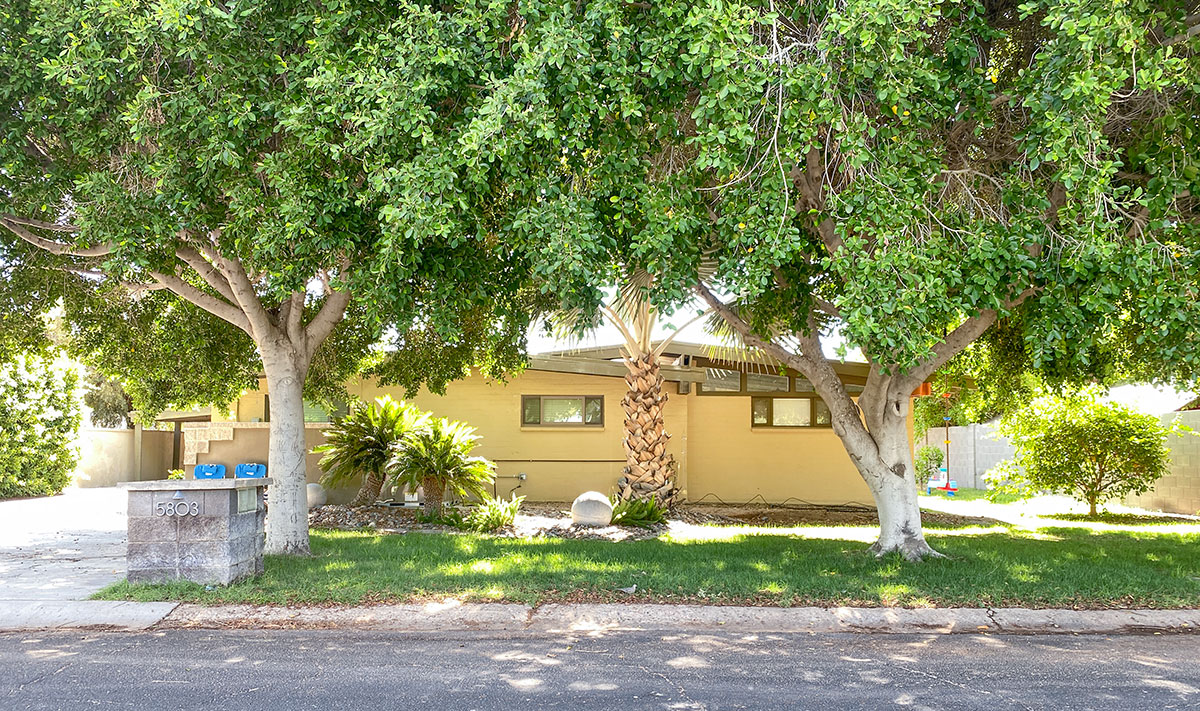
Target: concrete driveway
(62,547)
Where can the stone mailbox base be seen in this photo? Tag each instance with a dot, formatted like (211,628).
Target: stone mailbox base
(206,531)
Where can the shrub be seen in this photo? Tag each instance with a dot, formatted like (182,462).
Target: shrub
(1087,449)
(39,419)
(493,514)
(437,457)
(174,474)
(637,512)
(927,461)
(358,446)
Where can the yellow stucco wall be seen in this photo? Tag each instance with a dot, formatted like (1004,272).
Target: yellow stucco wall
(734,462)
(718,453)
(559,462)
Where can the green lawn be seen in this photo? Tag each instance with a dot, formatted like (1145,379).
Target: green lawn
(968,494)
(1060,567)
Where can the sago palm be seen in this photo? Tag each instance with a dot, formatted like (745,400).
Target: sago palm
(359,445)
(437,457)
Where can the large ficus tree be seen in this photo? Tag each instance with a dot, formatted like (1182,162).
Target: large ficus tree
(186,173)
(904,173)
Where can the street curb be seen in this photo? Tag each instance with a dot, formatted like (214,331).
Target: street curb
(24,615)
(595,619)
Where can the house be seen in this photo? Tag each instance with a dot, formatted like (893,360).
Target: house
(740,430)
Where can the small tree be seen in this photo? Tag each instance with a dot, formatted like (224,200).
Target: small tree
(1091,450)
(110,405)
(358,446)
(437,457)
(38,421)
(927,461)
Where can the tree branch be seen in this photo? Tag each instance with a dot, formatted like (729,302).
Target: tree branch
(207,271)
(51,246)
(208,302)
(40,224)
(243,293)
(957,340)
(331,314)
(292,315)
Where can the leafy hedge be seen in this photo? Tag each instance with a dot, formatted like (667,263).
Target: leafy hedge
(39,418)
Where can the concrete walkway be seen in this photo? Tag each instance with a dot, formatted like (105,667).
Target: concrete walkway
(56,551)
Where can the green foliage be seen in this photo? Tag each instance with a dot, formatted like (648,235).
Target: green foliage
(440,450)
(637,512)
(362,442)
(174,474)
(1091,450)
(493,514)
(246,134)
(109,403)
(928,461)
(39,419)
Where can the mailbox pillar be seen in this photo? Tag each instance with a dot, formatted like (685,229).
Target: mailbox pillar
(207,531)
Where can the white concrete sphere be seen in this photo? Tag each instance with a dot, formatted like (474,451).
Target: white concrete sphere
(316,495)
(591,508)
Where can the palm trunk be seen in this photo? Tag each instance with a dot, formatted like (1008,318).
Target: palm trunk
(368,493)
(287,514)
(434,491)
(650,469)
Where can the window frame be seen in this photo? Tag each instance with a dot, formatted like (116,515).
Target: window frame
(812,398)
(542,411)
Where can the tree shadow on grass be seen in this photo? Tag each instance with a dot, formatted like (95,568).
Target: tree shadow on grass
(1060,567)
(1127,519)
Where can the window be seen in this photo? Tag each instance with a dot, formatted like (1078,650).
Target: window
(718,380)
(788,412)
(559,410)
(760,383)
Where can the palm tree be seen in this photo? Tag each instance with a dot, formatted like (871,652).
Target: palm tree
(437,457)
(649,471)
(360,444)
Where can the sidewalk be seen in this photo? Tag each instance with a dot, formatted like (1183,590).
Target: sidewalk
(597,619)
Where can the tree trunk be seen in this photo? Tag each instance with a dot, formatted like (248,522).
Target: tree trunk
(891,476)
(1092,506)
(434,491)
(650,469)
(368,493)
(287,514)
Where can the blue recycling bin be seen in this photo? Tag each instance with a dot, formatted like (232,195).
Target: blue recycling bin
(209,471)
(250,471)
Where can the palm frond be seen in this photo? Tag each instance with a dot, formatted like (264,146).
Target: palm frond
(441,450)
(360,443)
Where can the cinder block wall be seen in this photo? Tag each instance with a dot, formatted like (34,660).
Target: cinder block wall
(1179,491)
(974,449)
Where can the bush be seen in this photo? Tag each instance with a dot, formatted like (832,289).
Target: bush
(358,446)
(39,419)
(437,457)
(636,512)
(1087,449)
(927,461)
(493,514)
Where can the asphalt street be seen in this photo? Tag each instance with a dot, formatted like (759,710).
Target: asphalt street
(330,669)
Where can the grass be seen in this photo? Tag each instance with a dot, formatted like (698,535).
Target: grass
(967,494)
(1070,566)
(1125,519)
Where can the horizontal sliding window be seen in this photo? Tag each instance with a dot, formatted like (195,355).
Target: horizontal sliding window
(789,412)
(763,383)
(554,410)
